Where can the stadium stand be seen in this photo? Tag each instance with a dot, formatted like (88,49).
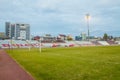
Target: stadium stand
(96,43)
(104,43)
(111,42)
(36,44)
(5,43)
(117,42)
(70,43)
(84,43)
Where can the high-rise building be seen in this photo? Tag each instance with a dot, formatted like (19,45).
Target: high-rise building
(17,31)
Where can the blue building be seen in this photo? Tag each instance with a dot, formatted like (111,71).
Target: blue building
(78,38)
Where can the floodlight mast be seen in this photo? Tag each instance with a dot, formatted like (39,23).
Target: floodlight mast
(88,18)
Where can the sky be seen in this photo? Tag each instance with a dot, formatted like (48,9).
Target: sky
(63,16)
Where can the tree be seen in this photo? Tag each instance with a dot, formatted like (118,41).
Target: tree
(69,38)
(105,37)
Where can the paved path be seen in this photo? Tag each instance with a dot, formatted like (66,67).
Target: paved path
(10,70)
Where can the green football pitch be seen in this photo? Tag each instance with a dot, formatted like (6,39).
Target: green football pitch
(78,63)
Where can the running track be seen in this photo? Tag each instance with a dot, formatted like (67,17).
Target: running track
(10,70)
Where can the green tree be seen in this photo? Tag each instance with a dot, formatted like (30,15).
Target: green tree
(105,37)
(69,38)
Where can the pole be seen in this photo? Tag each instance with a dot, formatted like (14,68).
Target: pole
(40,46)
(88,17)
(29,45)
(88,29)
(11,43)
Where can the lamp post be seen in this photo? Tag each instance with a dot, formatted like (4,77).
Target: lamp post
(88,18)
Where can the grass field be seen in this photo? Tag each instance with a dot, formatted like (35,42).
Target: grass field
(82,63)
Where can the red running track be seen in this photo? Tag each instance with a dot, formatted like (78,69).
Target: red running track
(10,70)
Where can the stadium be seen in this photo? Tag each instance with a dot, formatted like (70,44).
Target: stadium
(60,40)
(58,59)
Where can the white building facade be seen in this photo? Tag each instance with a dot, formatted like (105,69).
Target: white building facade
(17,31)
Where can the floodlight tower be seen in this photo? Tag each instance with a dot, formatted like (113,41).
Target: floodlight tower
(87,16)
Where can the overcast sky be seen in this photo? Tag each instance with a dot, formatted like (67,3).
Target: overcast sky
(63,16)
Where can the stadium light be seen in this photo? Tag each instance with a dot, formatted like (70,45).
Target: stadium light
(87,17)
